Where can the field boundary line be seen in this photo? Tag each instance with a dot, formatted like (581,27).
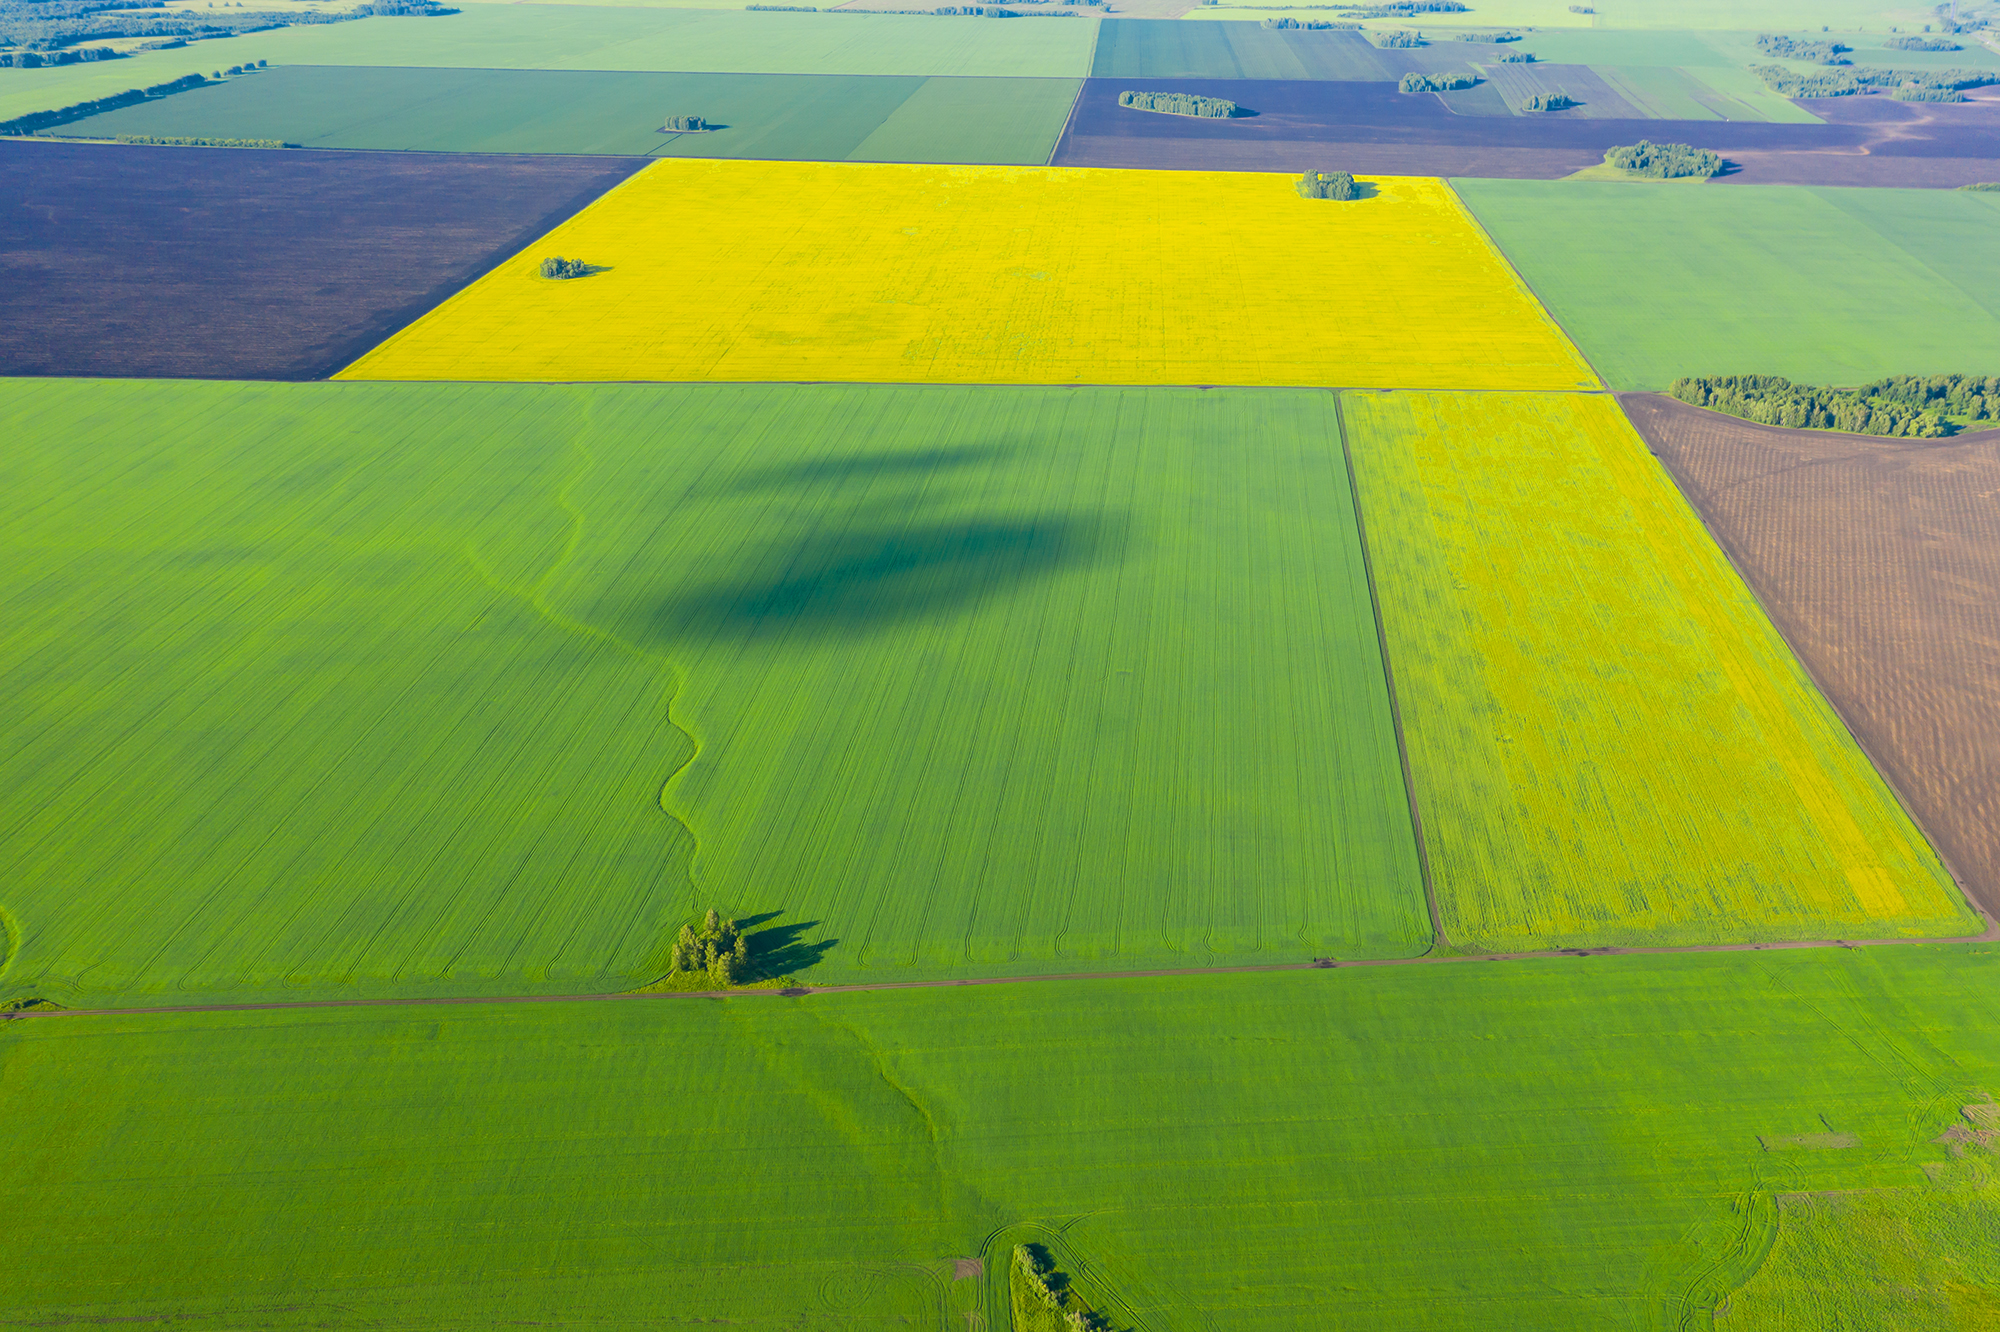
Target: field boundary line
(1438,937)
(1548,311)
(1989,935)
(1070,119)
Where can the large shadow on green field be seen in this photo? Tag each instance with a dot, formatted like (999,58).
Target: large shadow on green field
(862,467)
(855,577)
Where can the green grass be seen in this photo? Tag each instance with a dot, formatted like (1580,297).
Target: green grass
(783,116)
(1575,663)
(1550,1145)
(365,688)
(1825,286)
(583,37)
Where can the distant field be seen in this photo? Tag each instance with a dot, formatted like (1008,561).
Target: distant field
(363,689)
(996,275)
(214,263)
(1821,285)
(1152,48)
(1575,662)
(811,116)
(1418,1148)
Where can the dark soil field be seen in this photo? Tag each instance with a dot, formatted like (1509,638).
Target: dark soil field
(1879,559)
(223,263)
(1369,126)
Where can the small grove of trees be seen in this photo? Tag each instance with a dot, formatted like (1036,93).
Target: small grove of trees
(1328,185)
(718,949)
(1407,9)
(1400,40)
(35,60)
(1518,58)
(175,141)
(1493,38)
(1921,44)
(684,123)
(1422,83)
(1179,104)
(1904,406)
(1309,24)
(1983,186)
(1848,82)
(561,269)
(1664,161)
(1788,48)
(1555,101)
(1041,1298)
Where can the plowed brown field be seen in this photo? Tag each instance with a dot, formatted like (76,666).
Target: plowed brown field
(1879,559)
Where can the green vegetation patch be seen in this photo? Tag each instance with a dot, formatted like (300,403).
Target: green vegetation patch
(1909,406)
(1822,286)
(1663,161)
(773,116)
(1328,185)
(1179,104)
(1421,83)
(458,677)
(1809,52)
(1327,1142)
(1849,82)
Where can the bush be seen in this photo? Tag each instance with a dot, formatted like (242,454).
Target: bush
(685,123)
(1921,44)
(1328,185)
(719,948)
(1419,83)
(561,269)
(1664,161)
(1179,104)
(1786,48)
(1903,406)
(1400,40)
(1555,101)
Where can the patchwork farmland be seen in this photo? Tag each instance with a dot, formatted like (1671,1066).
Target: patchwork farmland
(1070,666)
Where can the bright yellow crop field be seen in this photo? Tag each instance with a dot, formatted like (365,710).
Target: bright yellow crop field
(1610,742)
(719,270)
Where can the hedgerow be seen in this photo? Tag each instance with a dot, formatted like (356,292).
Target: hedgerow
(39,120)
(1905,406)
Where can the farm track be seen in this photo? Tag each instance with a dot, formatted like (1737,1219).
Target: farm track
(1990,934)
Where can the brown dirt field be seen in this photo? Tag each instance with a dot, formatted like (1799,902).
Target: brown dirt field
(231,263)
(1879,560)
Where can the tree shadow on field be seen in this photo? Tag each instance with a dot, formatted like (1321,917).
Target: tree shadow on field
(780,950)
(864,467)
(867,576)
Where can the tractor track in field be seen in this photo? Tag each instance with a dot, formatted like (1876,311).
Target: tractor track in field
(1990,934)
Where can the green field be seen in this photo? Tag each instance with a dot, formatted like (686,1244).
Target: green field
(1569,1143)
(826,117)
(1145,48)
(366,688)
(585,37)
(1822,285)
(1575,662)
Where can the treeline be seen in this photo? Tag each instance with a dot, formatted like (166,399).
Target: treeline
(1787,48)
(1399,40)
(1664,161)
(1179,104)
(1328,185)
(1310,24)
(35,59)
(1494,38)
(1421,83)
(39,120)
(49,25)
(1517,58)
(946,11)
(169,141)
(1921,44)
(1555,101)
(1903,406)
(1848,82)
(1410,9)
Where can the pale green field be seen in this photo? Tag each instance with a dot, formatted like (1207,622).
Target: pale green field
(1651,15)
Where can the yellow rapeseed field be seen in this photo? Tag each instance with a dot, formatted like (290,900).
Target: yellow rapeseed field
(717,270)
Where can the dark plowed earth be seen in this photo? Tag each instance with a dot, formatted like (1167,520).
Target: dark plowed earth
(1371,127)
(221,263)
(1879,560)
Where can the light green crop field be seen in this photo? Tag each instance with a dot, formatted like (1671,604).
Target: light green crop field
(588,37)
(352,689)
(828,117)
(1575,662)
(1561,1144)
(1827,286)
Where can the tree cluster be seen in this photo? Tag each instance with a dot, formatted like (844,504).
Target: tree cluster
(179,142)
(1555,101)
(1915,94)
(718,950)
(1422,83)
(1408,9)
(1492,38)
(1517,58)
(1848,82)
(35,60)
(560,269)
(1328,185)
(1179,104)
(1983,186)
(1664,161)
(1790,48)
(1034,1276)
(1921,44)
(1399,40)
(1581,9)
(1903,406)
(684,123)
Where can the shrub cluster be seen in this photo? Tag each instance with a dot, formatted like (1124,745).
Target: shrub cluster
(1397,40)
(1328,185)
(1921,44)
(1787,48)
(1904,406)
(39,120)
(719,948)
(1664,161)
(1555,101)
(35,59)
(1517,58)
(1179,104)
(562,269)
(1420,83)
(685,123)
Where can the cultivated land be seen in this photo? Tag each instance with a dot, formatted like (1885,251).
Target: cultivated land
(996,274)
(812,116)
(1574,664)
(1880,561)
(1820,285)
(211,263)
(1269,1152)
(1142,48)
(379,689)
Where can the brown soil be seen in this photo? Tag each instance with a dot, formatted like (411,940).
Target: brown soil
(1879,560)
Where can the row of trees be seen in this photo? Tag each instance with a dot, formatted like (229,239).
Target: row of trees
(1848,82)
(1314,24)
(40,120)
(1922,44)
(1903,406)
(1408,9)
(1400,40)
(1179,104)
(1421,83)
(1328,185)
(1041,1296)
(35,59)
(1790,48)
(1664,161)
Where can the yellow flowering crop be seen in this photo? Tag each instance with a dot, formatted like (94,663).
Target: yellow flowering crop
(719,270)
